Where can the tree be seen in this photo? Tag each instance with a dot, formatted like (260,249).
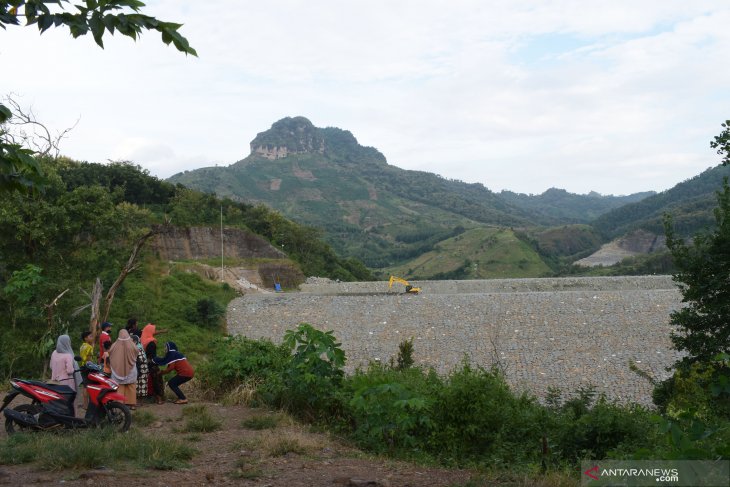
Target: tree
(19,169)
(722,143)
(95,16)
(703,273)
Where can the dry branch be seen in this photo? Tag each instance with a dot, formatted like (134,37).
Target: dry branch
(130,266)
(49,309)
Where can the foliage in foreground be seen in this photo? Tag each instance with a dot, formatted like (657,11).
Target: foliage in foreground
(703,275)
(469,417)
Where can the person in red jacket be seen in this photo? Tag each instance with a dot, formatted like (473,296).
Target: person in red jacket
(176,361)
(104,336)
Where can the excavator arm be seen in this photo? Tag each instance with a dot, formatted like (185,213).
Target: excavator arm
(409,289)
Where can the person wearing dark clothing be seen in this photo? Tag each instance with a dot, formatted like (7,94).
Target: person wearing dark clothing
(174,360)
(155,386)
(132,328)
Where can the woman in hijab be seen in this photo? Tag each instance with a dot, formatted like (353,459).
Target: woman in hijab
(123,362)
(155,387)
(176,361)
(64,368)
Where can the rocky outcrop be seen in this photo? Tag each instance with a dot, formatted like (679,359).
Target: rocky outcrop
(193,243)
(270,153)
(288,136)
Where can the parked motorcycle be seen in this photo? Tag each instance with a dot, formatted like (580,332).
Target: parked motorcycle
(52,406)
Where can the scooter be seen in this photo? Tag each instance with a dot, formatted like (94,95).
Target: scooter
(52,406)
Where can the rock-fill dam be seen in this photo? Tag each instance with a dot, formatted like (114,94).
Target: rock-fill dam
(565,333)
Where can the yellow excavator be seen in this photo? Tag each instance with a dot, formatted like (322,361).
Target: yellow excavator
(409,289)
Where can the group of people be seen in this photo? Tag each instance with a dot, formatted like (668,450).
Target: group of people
(131,361)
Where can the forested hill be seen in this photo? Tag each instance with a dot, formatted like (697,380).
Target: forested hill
(84,225)
(690,203)
(561,206)
(368,208)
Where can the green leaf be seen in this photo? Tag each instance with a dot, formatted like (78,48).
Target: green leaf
(5,114)
(45,22)
(97,28)
(110,22)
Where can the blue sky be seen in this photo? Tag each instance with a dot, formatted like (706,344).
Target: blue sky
(615,97)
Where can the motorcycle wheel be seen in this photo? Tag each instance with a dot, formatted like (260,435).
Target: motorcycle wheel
(12,426)
(118,416)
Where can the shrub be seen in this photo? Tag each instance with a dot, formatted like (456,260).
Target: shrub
(477,418)
(389,409)
(313,374)
(206,312)
(390,415)
(405,354)
(593,432)
(234,360)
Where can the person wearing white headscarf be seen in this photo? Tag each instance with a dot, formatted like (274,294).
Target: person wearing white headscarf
(64,368)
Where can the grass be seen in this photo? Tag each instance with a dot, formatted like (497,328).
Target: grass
(199,420)
(282,446)
(262,422)
(281,441)
(288,437)
(94,449)
(245,394)
(244,469)
(493,253)
(143,418)
(169,301)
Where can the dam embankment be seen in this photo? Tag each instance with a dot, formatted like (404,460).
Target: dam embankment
(559,332)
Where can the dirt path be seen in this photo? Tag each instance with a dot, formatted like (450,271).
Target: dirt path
(285,455)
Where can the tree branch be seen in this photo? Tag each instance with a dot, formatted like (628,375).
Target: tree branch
(130,266)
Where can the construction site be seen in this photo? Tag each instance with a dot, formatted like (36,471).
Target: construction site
(564,333)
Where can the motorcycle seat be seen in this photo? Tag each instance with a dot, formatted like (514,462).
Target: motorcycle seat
(61,389)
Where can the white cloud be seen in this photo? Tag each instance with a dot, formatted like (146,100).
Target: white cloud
(520,95)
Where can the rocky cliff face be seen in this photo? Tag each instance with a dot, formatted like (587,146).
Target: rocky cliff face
(288,136)
(194,243)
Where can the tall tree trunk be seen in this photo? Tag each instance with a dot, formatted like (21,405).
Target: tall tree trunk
(129,267)
(49,319)
(95,304)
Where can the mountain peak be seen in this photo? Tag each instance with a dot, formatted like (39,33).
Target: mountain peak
(290,135)
(297,135)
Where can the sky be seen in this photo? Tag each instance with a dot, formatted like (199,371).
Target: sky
(615,97)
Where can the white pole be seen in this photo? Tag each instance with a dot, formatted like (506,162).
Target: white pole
(221,243)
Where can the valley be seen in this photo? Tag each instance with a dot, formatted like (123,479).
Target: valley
(425,226)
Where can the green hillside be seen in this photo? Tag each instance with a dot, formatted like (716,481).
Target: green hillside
(479,253)
(54,244)
(559,206)
(381,214)
(690,203)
